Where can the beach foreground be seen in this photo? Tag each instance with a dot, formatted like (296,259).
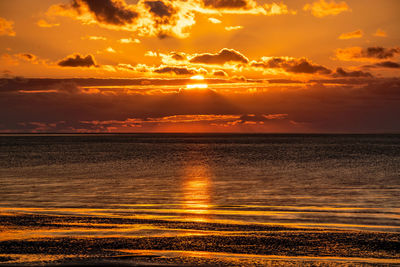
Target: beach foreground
(75,240)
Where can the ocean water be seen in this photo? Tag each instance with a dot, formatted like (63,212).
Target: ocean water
(178,185)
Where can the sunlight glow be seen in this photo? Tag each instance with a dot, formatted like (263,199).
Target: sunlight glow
(197,86)
(197,77)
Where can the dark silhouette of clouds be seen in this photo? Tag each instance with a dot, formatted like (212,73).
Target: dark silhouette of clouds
(340,72)
(301,65)
(108,11)
(380,52)
(177,56)
(388,64)
(220,73)
(371,104)
(159,8)
(176,70)
(226,4)
(366,54)
(78,61)
(224,56)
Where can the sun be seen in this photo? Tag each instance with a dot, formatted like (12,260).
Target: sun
(198,83)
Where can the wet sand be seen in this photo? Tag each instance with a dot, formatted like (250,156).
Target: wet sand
(191,243)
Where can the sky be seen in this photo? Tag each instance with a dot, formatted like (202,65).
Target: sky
(290,66)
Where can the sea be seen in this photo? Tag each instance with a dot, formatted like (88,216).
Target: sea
(200,199)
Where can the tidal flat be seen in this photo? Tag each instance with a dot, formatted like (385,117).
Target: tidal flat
(28,239)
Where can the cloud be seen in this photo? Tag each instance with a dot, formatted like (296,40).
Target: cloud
(177,56)
(95,38)
(323,8)
(384,64)
(380,33)
(224,56)
(351,35)
(214,20)
(151,54)
(16,59)
(261,117)
(107,11)
(366,54)
(220,73)
(340,72)
(166,18)
(293,65)
(175,122)
(129,41)
(6,27)
(159,8)
(332,105)
(161,18)
(277,9)
(78,61)
(111,50)
(44,24)
(28,57)
(176,70)
(233,28)
(243,7)
(229,4)
(388,64)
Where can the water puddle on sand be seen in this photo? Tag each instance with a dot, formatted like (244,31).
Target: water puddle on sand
(33,259)
(245,259)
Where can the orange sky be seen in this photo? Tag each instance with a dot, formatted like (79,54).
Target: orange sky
(290,66)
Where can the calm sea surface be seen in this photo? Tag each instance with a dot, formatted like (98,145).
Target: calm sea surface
(335,182)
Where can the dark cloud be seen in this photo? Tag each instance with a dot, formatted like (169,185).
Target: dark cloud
(380,52)
(371,106)
(388,64)
(177,56)
(108,11)
(27,56)
(220,73)
(161,18)
(366,54)
(176,70)
(164,17)
(340,72)
(283,81)
(224,56)
(301,65)
(78,61)
(226,4)
(44,84)
(384,64)
(306,67)
(262,117)
(159,8)
(238,79)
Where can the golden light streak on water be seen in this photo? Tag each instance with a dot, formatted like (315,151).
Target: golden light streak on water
(196,191)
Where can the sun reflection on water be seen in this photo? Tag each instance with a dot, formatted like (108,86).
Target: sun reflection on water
(196,189)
